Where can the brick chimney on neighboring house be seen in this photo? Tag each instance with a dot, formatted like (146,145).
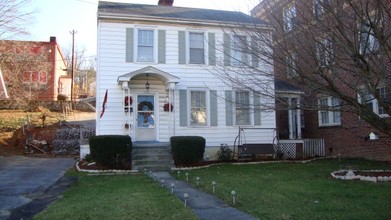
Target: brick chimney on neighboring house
(166,2)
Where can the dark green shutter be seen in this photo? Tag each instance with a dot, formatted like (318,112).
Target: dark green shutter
(254,53)
(129,44)
(213,108)
(183,107)
(257,109)
(162,46)
(227,50)
(181,47)
(228,108)
(212,49)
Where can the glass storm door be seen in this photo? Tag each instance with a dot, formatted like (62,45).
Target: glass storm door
(146,125)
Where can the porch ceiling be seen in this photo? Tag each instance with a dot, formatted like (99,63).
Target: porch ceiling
(153,72)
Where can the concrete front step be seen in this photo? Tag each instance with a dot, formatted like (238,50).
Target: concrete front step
(154,158)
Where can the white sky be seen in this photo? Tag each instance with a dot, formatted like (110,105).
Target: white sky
(59,17)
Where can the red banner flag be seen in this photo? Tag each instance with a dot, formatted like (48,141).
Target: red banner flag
(104,104)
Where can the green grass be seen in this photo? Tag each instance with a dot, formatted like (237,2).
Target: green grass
(116,197)
(298,191)
(266,191)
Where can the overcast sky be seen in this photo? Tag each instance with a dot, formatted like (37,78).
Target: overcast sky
(59,17)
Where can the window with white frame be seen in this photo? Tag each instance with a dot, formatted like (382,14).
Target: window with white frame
(291,64)
(320,6)
(239,48)
(145,45)
(289,17)
(196,48)
(329,111)
(372,103)
(198,111)
(242,108)
(325,52)
(368,42)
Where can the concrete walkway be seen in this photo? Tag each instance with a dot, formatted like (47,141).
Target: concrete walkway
(204,205)
(29,184)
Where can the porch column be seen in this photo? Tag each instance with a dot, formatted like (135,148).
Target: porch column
(290,115)
(298,118)
(171,97)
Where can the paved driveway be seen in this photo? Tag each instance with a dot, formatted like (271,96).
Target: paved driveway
(28,184)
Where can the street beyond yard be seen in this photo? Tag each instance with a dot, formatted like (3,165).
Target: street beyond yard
(266,191)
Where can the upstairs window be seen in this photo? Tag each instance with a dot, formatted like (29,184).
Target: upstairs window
(239,48)
(145,45)
(289,17)
(196,48)
(329,111)
(325,52)
(291,64)
(320,6)
(368,42)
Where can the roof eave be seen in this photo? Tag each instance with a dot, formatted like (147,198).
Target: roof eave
(116,16)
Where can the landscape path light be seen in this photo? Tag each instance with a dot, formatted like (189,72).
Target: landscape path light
(162,182)
(186,196)
(233,194)
(179,173)
(172,188)
(213,186)
(198,180)
(187,177)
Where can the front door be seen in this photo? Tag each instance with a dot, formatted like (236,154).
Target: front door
(146,123)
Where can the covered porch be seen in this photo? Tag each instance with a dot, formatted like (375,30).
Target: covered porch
(148,95)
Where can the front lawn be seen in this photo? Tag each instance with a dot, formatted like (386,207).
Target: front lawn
(298,191)
(266,191)
(116,197)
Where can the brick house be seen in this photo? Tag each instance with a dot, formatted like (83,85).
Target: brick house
(308,41)
(33,70)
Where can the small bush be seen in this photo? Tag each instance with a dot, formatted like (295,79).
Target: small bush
(111,151)
(62,97)
(187,150)
(225,153)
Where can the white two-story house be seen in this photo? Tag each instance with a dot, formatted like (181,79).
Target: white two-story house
(157,75)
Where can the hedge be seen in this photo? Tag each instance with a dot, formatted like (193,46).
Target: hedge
(111,151)
(187,150)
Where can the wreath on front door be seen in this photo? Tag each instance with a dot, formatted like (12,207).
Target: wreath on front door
(145,106)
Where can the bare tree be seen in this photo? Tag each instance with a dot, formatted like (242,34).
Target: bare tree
(25,66)
(84,71)
(14,16)
(335,48)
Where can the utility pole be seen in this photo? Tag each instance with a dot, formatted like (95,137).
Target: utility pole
(73,32)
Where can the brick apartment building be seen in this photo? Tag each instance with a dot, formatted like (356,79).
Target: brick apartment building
(33,70)
(338,54)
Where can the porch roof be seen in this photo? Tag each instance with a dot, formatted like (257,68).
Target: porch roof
(286,88)
(152,71)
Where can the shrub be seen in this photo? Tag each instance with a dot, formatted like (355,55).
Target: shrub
(225,153)
(187,150)
(111,151)
(62,97)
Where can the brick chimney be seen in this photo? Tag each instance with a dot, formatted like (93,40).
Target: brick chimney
(53,39)
(166,2)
